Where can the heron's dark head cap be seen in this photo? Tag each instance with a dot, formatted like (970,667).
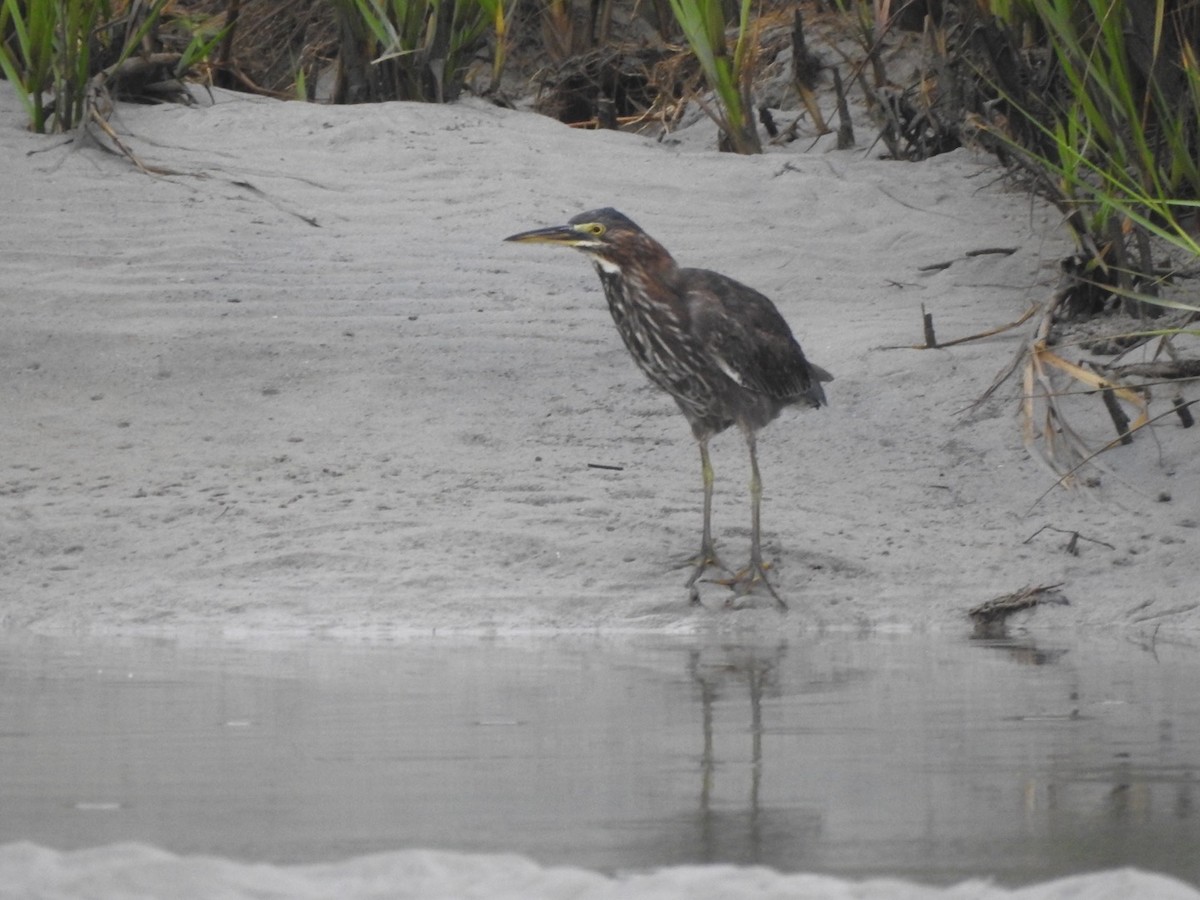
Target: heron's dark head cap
(599,232)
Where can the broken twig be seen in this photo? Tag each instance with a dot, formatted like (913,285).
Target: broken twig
(1120,420)
(931,343)
(927,322)
(1073,544)
(1180,408)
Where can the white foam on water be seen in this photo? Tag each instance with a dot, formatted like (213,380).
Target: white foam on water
(132,871)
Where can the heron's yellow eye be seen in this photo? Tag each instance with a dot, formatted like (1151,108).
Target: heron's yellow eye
(594,228)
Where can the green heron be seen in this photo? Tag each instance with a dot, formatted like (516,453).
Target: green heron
(721,349)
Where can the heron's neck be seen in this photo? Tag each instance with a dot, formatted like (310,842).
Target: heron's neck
(641,294)
(605,267)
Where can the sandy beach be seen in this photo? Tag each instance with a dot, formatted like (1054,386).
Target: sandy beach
(303,386)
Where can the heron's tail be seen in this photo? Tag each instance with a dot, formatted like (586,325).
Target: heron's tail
(816,393)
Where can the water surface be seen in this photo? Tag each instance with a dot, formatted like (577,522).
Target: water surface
(933,759)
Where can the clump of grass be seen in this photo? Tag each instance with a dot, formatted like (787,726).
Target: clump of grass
(68,56)
(1112,132)
(48,53)
(413,49)
(1097,103)
(728,76)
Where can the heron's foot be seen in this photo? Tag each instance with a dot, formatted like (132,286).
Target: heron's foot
(707,559)
(746,580)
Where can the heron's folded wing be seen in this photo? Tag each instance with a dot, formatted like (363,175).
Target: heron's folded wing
(747,338)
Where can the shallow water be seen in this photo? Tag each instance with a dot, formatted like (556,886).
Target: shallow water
(932,759)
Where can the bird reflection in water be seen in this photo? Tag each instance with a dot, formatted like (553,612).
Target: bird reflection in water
(731,683)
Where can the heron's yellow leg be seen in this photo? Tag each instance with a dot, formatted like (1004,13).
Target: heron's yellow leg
(708,553)
(755,572)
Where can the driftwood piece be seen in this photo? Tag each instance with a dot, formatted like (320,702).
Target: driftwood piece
(989,617)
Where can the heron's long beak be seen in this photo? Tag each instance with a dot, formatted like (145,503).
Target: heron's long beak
(559,234)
